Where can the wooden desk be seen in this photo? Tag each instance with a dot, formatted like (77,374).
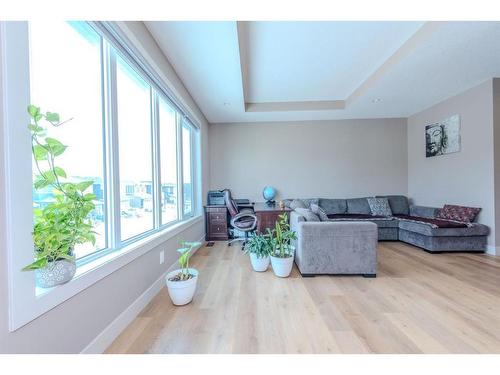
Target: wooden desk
(268,215)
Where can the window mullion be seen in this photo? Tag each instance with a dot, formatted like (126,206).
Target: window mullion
(112,177)
(155,149)
(194,172)
(180,170)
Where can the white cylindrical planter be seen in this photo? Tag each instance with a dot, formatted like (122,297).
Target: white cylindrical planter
(282,267)
(259,264)
(181,292)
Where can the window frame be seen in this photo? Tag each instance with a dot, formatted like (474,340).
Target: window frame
(189,127)
(153,124)
(177,150)
(24,303)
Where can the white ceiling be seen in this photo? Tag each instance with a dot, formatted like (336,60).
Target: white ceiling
(302,61)
(274,71)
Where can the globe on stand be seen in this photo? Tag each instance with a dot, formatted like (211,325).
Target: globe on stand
(269,193)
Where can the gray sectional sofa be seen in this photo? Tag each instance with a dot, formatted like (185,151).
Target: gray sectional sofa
(472,237)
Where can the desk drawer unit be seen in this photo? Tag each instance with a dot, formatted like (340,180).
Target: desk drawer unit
(216,223)
(216,217)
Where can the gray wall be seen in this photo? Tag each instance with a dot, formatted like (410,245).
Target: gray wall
(465,177)
(344,158)
(72,325)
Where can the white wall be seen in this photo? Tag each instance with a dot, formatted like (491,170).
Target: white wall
(466,177)
(336,159)
(72,325)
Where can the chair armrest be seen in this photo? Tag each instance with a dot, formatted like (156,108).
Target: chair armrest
(242,215)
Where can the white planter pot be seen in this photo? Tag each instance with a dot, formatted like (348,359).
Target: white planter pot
(259,264)
(181,292)
(282,266)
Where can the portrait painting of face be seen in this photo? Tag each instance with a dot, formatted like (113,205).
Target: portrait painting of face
(442,137)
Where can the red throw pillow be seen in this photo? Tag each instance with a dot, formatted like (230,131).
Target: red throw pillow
(458,213)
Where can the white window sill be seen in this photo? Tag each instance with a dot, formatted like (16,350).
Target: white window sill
(90,273)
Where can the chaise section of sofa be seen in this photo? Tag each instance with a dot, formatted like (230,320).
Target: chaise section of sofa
(471,237)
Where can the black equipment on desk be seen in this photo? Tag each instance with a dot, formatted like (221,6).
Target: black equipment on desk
(242,202)
(216,198)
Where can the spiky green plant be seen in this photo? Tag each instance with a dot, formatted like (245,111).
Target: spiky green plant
(282,237)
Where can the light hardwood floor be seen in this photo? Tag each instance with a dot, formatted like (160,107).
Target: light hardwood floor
(419,303)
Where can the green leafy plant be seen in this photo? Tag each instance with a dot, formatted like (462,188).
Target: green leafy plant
(62,224)
(282,237)
(183,260)
(259,244)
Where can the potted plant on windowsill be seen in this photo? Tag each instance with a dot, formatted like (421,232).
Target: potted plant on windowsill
(62,223)
(282,252)
(259,247)
(181,283)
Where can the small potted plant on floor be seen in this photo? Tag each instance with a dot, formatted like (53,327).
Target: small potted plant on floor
(259,247)
(181,283)
(282,252)
(64,222)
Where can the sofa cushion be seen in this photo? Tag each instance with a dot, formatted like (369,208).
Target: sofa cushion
(302,203)
(434,222)
(297,203)
(333,206)
(307,214)
(424,211)
(458,213)
(317,210)
(309,201)
(354,217)
(358,206)
(399,204)
(381,221)
(428,230)
(379,206)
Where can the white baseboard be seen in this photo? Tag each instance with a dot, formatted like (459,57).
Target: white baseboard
(493,250)
(99,344)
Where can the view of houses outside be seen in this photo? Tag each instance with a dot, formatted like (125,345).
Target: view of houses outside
(134,208)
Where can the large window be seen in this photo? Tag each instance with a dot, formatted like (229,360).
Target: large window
(66,67)
(125,133)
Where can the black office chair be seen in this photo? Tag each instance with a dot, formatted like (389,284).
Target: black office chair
(243,220)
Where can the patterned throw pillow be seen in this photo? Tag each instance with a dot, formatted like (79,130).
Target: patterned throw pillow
(379,206)
(458,213)
(319,211)
(307,213)
(297,203)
